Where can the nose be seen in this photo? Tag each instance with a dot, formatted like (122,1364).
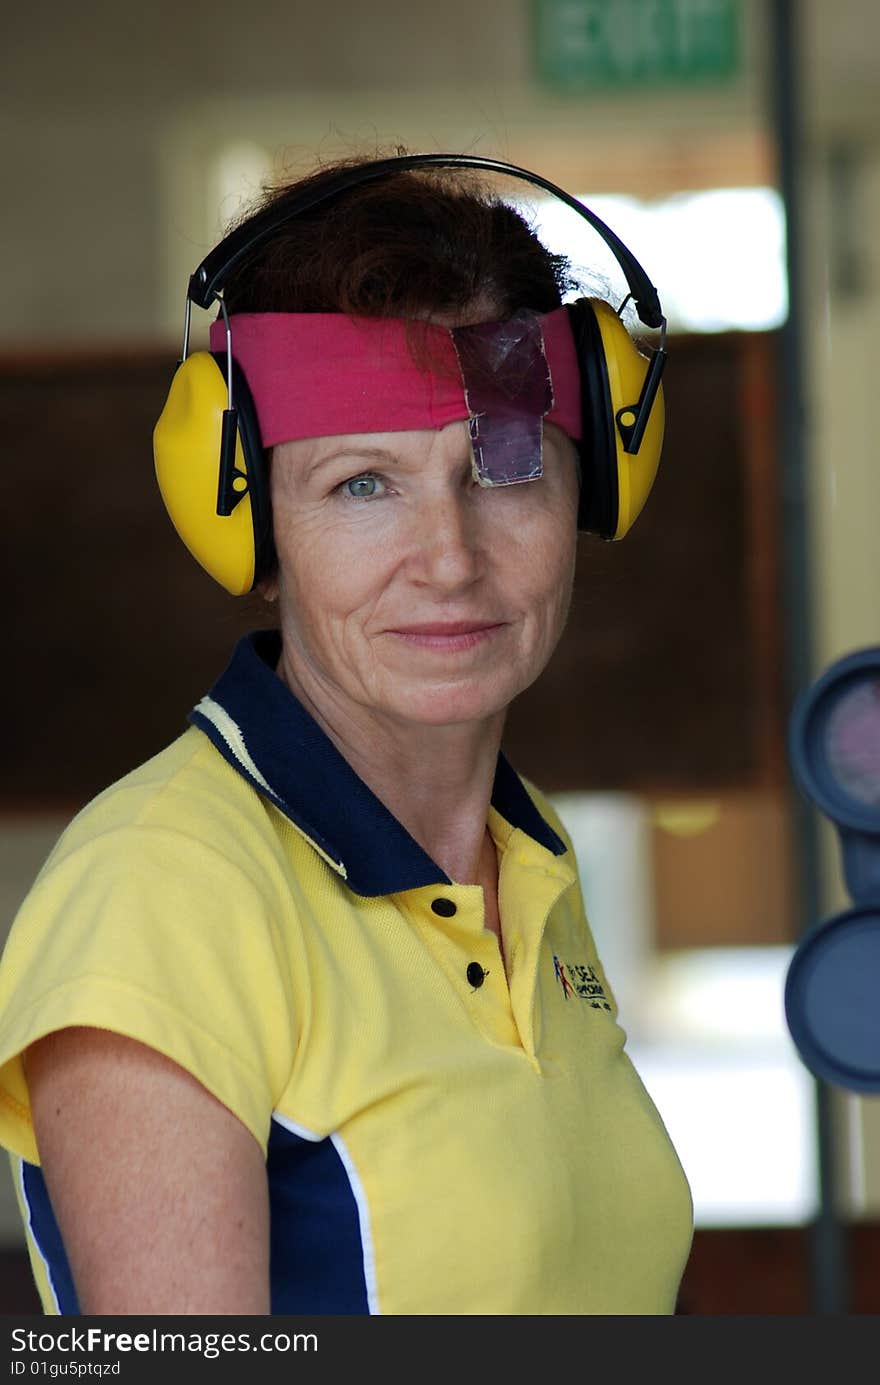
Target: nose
(448,545)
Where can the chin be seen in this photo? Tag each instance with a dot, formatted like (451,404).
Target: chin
(448,706)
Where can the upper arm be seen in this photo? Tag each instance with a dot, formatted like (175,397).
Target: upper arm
(159,1191)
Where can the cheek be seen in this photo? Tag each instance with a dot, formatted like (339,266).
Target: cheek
(307,580)
(558,592)
(317,581)
(543,563)
(541,585)
(326,575)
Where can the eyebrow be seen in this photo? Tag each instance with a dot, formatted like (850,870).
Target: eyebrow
(367,454)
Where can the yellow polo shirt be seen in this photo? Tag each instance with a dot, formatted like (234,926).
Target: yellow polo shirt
(441,1135)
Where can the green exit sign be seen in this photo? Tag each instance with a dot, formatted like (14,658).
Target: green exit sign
(581,45)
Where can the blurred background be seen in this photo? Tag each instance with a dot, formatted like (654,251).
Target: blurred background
(734,145)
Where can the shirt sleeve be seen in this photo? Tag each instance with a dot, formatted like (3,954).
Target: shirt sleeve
(154,935)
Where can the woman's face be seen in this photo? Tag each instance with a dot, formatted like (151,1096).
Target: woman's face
(408,589)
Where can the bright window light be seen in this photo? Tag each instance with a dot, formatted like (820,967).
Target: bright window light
(717,257)
(743,1123)
(237,175)
(719,1062)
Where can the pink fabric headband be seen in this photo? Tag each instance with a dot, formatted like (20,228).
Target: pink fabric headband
(321,374)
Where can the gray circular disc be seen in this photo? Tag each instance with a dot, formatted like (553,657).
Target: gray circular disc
(832,999)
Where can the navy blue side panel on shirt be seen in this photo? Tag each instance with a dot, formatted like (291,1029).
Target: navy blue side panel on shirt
(44,1229)
(317,1256)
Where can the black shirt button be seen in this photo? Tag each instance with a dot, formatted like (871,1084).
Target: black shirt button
(444,907)
(475,974)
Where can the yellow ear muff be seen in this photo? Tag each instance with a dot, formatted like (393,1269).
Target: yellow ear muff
(186,451)
(627,368)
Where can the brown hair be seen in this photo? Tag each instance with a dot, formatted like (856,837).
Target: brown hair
(411,244)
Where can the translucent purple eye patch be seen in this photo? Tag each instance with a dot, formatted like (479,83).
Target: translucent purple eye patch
(508,390)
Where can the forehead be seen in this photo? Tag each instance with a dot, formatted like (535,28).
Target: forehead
(301,456)
(394,446)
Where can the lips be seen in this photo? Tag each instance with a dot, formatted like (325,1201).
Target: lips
(447,627)
(450,636)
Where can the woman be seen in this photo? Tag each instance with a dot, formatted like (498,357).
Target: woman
(304,1015)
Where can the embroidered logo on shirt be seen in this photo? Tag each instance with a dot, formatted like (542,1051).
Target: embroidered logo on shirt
(577,979)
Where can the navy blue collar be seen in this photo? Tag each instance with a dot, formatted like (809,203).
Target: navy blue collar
(265,733)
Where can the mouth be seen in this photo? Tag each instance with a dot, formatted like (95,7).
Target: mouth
(449,636)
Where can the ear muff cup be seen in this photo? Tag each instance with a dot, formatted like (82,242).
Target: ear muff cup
(235,549)
(616,484)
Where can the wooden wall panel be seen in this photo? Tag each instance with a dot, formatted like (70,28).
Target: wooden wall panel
(115,631)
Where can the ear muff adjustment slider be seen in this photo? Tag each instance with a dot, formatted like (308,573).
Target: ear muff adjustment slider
(232,485)
(632,419)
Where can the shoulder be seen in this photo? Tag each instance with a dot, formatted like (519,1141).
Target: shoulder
(182,814)
(179,854)
(186,789)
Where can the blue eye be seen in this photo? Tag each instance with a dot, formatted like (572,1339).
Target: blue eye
(362,487)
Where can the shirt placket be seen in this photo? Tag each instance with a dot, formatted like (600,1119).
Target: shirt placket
(451,920)
(531,883)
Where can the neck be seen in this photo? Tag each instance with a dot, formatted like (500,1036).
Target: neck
(436,780)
